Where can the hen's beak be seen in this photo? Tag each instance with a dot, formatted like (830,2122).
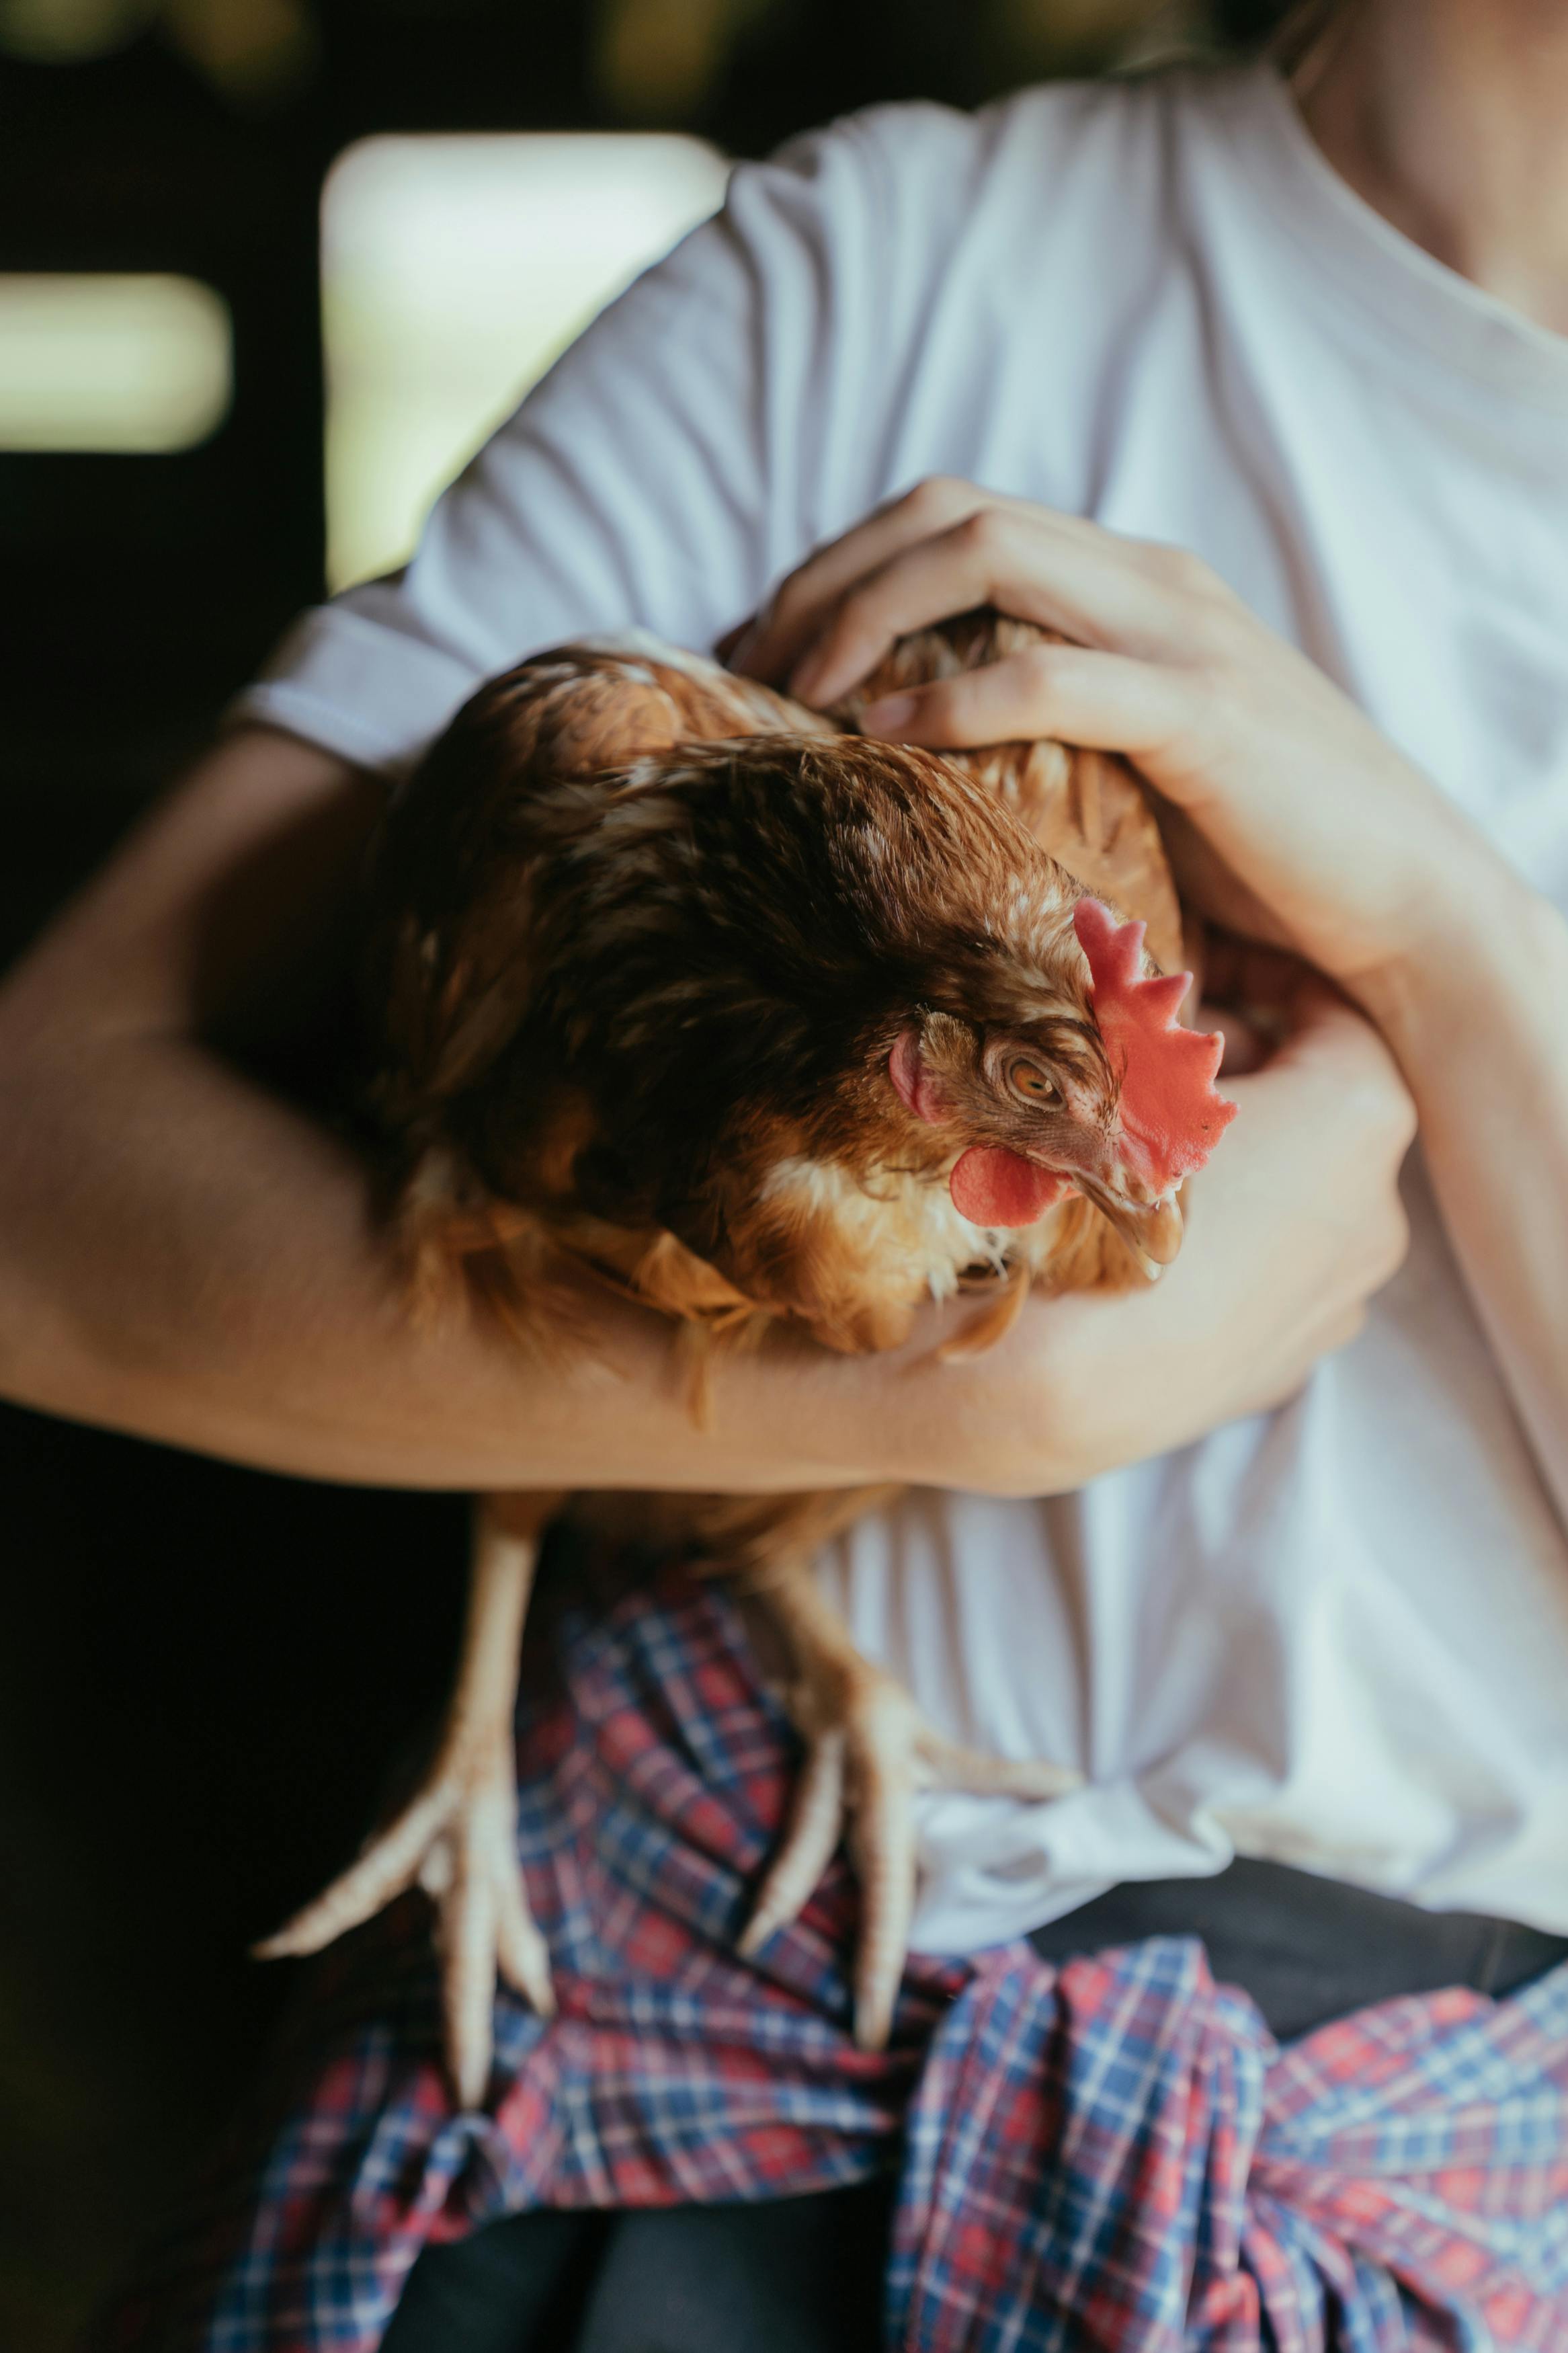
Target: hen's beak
(1151,1229)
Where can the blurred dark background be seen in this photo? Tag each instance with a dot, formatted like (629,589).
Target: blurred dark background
(204,1671)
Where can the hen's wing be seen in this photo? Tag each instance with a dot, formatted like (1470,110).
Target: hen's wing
(485,801)
(601,702)
(449,975)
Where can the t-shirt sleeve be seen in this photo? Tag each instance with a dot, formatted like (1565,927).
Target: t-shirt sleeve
(712,426)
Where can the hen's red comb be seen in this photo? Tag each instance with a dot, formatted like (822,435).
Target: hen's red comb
(1171,1116)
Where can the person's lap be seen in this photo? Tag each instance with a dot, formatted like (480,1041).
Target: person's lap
(804,2274)
(790,2275)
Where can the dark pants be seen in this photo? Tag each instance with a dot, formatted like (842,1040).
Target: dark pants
(804,2274)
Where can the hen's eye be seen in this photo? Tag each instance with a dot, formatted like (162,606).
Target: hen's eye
(1030,1081)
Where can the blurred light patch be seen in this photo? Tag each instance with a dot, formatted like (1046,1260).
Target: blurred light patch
(454,270)
(253,51)
(111,363)
(658,60)
(65,31)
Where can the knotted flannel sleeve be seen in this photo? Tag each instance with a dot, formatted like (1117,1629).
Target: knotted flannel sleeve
(1113,2154)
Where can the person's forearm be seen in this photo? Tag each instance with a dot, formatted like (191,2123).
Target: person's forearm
(185,1257)
(1480,1021)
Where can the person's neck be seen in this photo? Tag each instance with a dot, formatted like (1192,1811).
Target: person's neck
(1451,118)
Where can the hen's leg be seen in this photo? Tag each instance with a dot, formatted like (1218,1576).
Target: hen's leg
(457,1837)
(868,1750)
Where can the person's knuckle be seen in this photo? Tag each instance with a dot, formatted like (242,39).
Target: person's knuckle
(1202,704)
(789,600)
(1349,1327)
(1215,611)
(982,534)
(844,621)
(1372,1249)
(1358,1102)
(939,498)
(1405,1121)
(1037,668)
(1176,568)
(1211,620)
(938,708)
(1393,1240)
(1209,628)
(1383,1109)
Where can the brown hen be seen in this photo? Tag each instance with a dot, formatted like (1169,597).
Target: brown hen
(762,1021)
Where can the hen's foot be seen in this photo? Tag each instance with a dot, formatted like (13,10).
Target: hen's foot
(457,1839)
(868,1750)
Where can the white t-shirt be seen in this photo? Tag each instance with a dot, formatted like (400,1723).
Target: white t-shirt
(1336,1635)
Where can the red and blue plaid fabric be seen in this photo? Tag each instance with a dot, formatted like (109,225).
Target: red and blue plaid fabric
(1109,2155)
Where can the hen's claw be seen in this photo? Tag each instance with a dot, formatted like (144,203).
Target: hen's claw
(457,1839)
(457,1836)
(868,1750)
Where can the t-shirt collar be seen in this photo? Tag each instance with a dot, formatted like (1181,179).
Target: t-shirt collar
(1414,300)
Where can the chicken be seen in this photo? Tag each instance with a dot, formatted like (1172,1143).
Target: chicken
(764,1022)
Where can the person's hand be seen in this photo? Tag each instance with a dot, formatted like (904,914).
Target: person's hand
(1290,1229)
(1296,822)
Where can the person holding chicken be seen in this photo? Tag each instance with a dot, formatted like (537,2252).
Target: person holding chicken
(1254,389)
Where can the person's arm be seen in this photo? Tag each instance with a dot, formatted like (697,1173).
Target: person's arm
(1299,823)
(186,1254)
(1478,1014)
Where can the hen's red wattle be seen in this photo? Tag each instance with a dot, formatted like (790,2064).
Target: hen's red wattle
(992,1187)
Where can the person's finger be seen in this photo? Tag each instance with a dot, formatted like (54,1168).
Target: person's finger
(1106,592)
(802,604)
(1108,703)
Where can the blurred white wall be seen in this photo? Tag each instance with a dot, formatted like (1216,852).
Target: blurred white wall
(454,270)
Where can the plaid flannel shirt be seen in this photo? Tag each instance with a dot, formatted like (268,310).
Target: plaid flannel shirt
(1113,2154)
